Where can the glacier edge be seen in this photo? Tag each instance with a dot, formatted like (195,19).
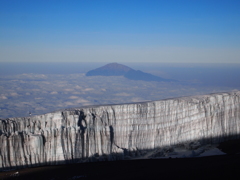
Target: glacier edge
(112,132)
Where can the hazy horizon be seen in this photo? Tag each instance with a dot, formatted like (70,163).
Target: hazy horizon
(45,87)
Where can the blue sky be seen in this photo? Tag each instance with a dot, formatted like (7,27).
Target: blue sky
(121,31)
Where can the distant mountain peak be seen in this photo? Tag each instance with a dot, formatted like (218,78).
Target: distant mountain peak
(112,69)
(115,69)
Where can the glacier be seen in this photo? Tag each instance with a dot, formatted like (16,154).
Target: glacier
(115,132)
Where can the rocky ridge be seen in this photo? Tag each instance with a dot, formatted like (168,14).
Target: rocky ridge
(114,132)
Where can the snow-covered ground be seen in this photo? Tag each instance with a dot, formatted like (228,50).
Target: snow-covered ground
(181,152)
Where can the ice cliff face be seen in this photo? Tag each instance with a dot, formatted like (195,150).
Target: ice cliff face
(113,131)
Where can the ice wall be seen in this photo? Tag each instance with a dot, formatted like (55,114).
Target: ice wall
(110,132)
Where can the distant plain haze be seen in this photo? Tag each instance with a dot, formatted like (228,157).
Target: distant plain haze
(206,31)
(45,87)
